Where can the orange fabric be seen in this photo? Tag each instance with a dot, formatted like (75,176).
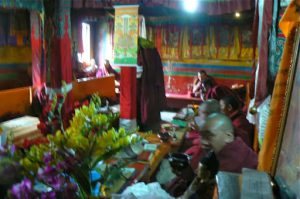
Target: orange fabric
(255,141)
(267,153)
(289,18)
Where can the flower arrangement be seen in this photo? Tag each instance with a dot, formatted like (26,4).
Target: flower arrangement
(64,163)
(51,105)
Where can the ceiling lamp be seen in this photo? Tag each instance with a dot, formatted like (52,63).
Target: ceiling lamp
(190,5)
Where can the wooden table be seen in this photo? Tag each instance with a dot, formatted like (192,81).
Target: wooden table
(163,149)
(145,170)
(179,101)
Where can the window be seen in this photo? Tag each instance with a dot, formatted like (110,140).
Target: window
(86,40)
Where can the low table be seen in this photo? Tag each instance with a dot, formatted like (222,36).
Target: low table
(179,101)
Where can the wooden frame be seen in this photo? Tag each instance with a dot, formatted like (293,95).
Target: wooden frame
(287,153)
(104,86)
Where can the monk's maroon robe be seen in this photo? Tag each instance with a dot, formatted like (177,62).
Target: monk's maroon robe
(237,155)
(240,121)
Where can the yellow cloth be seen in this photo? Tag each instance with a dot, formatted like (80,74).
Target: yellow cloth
(267,155)
(290,18)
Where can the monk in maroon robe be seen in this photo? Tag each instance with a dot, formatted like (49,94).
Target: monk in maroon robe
(231,107)
(236,155)
(215,91)
(233,154)
(198,86)
(192,142)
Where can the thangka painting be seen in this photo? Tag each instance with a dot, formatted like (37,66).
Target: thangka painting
(171,37)
(224,36)
(14,28)
(126,35)
(197,36)
(246,35)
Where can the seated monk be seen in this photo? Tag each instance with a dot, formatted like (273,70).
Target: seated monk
(231,107)
(192,142)
(231,152)
(197,85)
(215,91)
(91,69)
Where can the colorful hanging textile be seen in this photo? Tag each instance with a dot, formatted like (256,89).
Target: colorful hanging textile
(22,4)
(126,35)
(170,42)
(273,56)
(4,19)
(203,42)
(19,29)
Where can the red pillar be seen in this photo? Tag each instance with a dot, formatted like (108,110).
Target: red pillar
(60,61)
(38,65)
(128,97)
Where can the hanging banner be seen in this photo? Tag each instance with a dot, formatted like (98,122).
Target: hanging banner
(126,35)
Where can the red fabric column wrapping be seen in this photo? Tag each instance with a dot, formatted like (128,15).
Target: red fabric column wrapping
(61,67)
(38,67)
(262,86)
(128,93)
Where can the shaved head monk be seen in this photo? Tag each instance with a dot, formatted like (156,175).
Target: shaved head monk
(228,152)
(232,153)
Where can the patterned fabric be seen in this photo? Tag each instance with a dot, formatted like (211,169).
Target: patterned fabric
(28,4)
(14,28)
(284,3)
(202,42)
(277,50)
(273,66)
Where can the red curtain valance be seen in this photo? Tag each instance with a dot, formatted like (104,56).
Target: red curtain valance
(211,7)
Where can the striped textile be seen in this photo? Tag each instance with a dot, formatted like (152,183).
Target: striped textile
(180,77)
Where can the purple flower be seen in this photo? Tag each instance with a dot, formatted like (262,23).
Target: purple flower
(48,195)
(61,166)
(12,149)
(56,182)
(47,157)
(47,173)
(23,190)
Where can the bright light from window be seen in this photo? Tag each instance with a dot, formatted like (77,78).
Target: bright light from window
(237,14)
(86,41)
(190,5)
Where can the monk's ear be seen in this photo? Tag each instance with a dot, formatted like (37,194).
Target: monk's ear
(229,137)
